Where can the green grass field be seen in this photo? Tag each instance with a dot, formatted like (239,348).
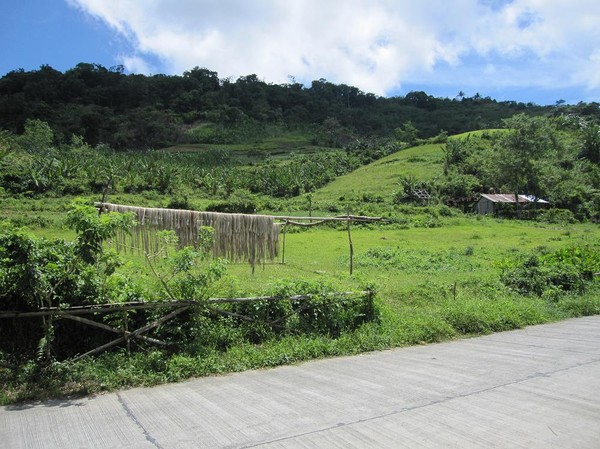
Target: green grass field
(443,283)
(437,276)
(461,250)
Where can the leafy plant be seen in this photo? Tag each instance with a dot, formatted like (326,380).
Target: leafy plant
(569,269)
(186,274)
(94,229)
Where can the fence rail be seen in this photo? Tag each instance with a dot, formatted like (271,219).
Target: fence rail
(50,314)
(140,305)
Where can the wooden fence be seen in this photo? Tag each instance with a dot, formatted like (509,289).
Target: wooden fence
(51,314)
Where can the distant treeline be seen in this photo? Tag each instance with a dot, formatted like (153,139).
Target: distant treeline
(105,105)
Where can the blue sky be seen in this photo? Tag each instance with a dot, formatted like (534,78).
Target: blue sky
(525,50)
(37,32)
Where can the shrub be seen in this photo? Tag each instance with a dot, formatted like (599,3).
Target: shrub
(459,190)
(38,273)
(370,150)
(570,269)
(179,202)
(559,216)
(470,316)
(325,313)
(239,202)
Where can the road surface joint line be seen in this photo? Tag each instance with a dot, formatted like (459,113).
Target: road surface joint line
(549,348)
(417,407)
(131,415)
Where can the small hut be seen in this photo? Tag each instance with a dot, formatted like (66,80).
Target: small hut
(490,203)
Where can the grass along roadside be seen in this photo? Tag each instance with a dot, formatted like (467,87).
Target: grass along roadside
(434,284)
(399,326)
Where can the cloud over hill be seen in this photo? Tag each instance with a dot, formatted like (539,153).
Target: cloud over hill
(376,45)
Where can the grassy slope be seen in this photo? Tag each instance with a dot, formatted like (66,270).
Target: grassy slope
(479,133)
(382,176)
(422,162)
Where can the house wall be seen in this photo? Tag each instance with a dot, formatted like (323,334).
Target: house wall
(484,206)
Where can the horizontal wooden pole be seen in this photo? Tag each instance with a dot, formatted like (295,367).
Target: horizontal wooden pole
(112,307)
(339,218)
(111,329)
(291,218)
(101,308)
(278,298)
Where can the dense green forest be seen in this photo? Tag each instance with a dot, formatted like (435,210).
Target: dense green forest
(142,112)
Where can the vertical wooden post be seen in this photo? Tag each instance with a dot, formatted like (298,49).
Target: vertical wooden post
(371,304)
(125,332)
(48,330)
(109,180)
(283,249)
(351,246)
(47,337)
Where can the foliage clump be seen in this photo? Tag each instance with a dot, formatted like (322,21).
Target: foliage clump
(570,269)
(552,158)
(37,273)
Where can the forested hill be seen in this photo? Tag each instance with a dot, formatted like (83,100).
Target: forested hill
(140,112)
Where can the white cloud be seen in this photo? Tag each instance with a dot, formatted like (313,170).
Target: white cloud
(373,44)
(591,74)
(136,64)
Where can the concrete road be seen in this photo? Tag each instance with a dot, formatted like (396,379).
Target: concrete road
(533,388)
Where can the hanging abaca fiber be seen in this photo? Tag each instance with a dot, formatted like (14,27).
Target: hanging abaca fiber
(237,237)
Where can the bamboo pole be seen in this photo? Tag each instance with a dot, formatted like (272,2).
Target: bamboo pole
(102,308)
(111,329)
(351,248)
(309,218)
(117,307)
(306,225)
(110,344)
(135,333)
(230,314)
(280,298)
(283,245)
(106,327)
(338,218)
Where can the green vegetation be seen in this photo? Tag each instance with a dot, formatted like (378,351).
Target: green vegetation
(549,158)
(139,112)
(439,273)
(461,277)
(381,178)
